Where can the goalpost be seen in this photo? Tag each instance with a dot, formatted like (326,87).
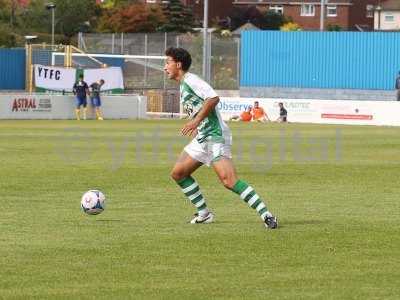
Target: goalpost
(143,74)
(162,103)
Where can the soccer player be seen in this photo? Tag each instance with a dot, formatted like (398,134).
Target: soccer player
(211,144)
(245,116)
(259,114)
(80,90)
(95,100)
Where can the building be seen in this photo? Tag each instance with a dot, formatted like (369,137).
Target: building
(345,14)
(387,15)
(217,9)
(359,15)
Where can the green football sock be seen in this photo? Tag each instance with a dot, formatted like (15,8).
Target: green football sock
(191,189)
(249,195)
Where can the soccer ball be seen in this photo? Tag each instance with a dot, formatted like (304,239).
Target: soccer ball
(93,202)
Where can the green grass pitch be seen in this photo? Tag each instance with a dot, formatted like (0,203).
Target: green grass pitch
(334,188)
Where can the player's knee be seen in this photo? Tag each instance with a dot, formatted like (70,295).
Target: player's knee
(228,182)
(177,174)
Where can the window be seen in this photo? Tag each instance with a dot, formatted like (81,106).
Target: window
(307,10)
(331,11)
(276,8)
(370,11)
(151,1)
(389,18)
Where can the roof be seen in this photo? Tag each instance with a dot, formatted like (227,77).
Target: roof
(245,27)
(390,5)
(293,2)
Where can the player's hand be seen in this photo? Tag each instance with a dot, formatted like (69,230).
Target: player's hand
(190,128)
(194,133)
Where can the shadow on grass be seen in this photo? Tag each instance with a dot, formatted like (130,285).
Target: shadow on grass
(302,222)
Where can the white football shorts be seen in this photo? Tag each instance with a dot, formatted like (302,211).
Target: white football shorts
(208,152)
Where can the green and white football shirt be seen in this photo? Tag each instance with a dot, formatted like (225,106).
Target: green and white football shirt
(194,91)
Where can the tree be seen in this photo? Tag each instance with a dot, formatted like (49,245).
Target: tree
(131,18)
(9,11)
(272,21)
(35,18)
(240,16)
(179,18)
(72,15)
(291,27)
(333,27)
(7,39)
(117,3)
(269,20)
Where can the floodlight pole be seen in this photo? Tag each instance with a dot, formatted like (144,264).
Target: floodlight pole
(378,8)
(52,7)
(52,26)
(322,21)
(205,41)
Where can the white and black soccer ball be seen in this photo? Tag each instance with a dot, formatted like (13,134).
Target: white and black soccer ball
(93,202)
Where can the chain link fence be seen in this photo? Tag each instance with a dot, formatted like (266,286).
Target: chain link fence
(141,57)
(147,73)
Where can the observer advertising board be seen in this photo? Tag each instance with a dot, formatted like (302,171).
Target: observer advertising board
(320,111)
(42,106)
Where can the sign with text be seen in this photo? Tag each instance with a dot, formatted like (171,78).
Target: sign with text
(54,78)
(319,111)
(42,106)
(58,79)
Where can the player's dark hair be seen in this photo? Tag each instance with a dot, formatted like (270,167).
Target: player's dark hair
(180,55)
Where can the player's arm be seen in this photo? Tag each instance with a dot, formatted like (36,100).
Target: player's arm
(87,90)
(208,106)
(74,89)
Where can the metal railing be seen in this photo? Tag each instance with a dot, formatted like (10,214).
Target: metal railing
(147,73)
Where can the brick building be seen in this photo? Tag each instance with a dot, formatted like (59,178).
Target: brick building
(387,15)
(217,9)
(347,14)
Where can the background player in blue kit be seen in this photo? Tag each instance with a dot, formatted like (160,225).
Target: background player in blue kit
(80,90)
(95,100)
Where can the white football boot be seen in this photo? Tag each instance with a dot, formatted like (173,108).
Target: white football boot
(198,219)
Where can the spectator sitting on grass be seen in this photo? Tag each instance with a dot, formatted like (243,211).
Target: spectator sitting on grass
(244,116)
(259,115)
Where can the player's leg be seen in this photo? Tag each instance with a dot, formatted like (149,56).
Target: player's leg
(181,173)
(77,108)
(84,108)
(99,115)
(97,103)
(92,105)
(226,172)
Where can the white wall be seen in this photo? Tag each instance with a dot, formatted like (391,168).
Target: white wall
(41,106)
(320,111)
(384,24)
